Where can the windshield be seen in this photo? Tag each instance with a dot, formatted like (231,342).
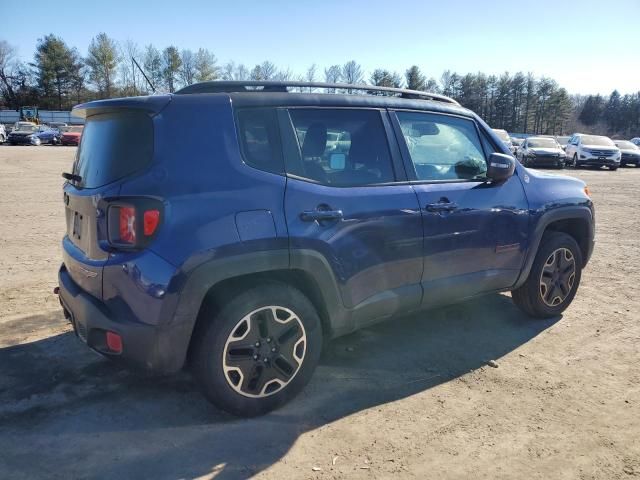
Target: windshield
(542,143)
(502,135)
(596,140)
(27,128)
(626,145)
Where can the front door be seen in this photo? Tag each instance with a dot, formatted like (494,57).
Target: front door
(474,231)
(344,203)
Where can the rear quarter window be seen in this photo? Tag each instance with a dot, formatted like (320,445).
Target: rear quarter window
(113,146)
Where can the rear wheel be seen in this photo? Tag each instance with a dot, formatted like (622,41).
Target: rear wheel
(259,350)
(553,279)
(613,169)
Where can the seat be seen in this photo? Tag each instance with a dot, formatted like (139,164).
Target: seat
(313,147)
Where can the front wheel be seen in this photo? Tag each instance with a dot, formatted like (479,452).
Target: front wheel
(259,350)
(613,169)
(553,279)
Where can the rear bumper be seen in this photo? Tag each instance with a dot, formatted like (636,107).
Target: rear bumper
(68,141)
(540,161)
(154,349)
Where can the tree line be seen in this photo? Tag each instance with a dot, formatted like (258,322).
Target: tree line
(60,77)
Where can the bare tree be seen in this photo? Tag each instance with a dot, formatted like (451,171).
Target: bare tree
(310,76)
(188,70)
(131,79)
(7,70)
(333,74)
(171,64)
(352,73)
(231,71)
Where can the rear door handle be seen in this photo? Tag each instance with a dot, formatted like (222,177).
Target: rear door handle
(313,215)
(441,207)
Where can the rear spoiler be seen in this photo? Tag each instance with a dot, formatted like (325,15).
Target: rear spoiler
(151,104)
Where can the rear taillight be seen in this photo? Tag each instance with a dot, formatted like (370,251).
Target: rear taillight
(133,224)
(127,225)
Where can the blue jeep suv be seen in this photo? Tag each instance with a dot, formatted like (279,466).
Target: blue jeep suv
(236,226)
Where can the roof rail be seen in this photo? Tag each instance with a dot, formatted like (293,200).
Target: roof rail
(217,86)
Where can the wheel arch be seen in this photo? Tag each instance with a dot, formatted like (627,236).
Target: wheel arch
(576,221)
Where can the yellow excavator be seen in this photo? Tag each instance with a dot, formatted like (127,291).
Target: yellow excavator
(29,114)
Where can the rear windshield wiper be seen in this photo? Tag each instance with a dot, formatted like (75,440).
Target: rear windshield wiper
(72,177)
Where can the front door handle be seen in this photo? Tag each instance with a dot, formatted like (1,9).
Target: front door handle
(313,215)
(441,207)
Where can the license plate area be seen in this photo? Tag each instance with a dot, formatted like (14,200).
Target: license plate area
(76,225)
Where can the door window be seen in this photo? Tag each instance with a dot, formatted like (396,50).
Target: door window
(442,147)
(259,139)
(340,147)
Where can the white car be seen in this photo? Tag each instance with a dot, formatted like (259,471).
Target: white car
(541,152)
(3,134)
(635,141)
(506,139)
(593,151)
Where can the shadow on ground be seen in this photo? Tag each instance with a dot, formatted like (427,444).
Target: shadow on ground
(66,412)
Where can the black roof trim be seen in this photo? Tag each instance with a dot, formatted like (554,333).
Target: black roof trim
(282,87)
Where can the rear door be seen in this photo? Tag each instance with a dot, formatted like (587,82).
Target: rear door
(343,201)
(475,232)
(114,145)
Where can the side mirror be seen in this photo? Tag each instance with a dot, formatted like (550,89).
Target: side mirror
(500,167)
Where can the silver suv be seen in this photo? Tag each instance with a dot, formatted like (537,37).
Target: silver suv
(593,151)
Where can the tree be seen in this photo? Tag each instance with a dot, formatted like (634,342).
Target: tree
(310,76)
(206,66)
(592,110)
(188,68)
(131,79)
(171,64)
(613,112)
(384,78)
(8,67)
(55,65)
(415,79)
(264,71)
(102,61)
(352,73)
(231,71)
(153,66)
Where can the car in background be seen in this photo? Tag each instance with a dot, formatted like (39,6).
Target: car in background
(71,135)
(563,140)
(630,153)
(3,134)
(541,152)
(593,151)
(506,139)
(48,135)
(635,141)
(25,134)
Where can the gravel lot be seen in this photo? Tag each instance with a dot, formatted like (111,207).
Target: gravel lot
(411,398)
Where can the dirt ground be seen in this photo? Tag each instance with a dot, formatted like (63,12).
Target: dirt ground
(411,398)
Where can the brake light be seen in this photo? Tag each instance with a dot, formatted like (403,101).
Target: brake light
(114,342)
(128,225)
(151,220)
(134,222)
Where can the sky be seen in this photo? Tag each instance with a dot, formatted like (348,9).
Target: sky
(587,46)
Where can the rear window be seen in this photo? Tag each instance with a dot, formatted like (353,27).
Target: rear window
(113,146)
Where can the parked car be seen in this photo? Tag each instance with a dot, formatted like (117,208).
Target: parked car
(57,125)
(506,139)
(48,136)
(593,151)
(635,141)
(244,244)
(630,153)
(563,141)
(25,134)
(542,152)
(3,134)
(71,135)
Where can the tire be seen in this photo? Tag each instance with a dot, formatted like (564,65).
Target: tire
(613,169)
(531,298)
(243,317)
(560,165)
(575,161)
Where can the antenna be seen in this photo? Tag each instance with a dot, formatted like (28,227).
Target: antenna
(153,89)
